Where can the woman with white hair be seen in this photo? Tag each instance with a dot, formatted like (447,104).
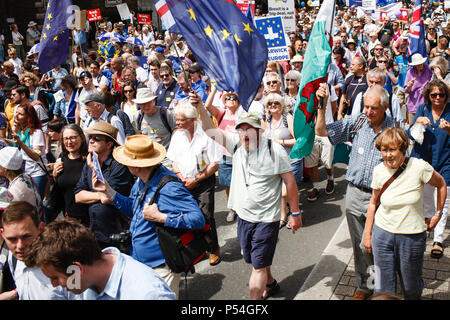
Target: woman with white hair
(439,66)
(279,127)
(195,159)
(292,84)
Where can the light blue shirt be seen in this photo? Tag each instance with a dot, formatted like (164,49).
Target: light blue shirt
(131,280)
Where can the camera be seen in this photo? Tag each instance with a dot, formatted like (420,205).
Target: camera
(122,241)
(116,94)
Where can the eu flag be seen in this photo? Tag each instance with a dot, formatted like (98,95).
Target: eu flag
(55,34)
(224,42)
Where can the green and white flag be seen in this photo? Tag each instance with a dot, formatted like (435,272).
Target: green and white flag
(314,72)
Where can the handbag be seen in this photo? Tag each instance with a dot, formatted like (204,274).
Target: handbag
(181,248)
(391,179)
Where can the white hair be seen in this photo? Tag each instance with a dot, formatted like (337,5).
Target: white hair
(187,109)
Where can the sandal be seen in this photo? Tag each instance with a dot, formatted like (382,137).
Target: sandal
(274,287)
(283,224)
(437,253)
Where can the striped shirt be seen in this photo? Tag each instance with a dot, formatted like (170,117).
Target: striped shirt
(364,156)
(401,205)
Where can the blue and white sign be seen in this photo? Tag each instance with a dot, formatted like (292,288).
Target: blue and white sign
(273,31)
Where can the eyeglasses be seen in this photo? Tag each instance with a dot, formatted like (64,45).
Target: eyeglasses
(435,95)
(378,49)
(164,75)
(26,80)
(382,61)
(71,139)
(128,91)
(293,80)
(271,82)
(231,98)
(96,139)
(274,103)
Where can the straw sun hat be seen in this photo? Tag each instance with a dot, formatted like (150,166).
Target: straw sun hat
(139,151)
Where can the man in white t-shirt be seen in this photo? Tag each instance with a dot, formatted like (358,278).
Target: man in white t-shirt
(259,168)
(322,151)
(100,82)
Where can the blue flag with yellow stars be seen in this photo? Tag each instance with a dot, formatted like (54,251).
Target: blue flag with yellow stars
(55,34)
(224,42)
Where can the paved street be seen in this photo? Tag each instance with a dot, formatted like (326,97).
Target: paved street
(295,255)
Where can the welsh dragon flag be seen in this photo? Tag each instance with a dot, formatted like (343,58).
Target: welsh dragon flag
(314,72)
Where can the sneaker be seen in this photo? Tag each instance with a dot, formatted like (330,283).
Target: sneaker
(330,187)
(231,215)
(313,195)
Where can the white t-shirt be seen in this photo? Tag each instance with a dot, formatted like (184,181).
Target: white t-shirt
(255,190)
(79,98)
(100,80)
(401,208)
(16,38)
(32,168)
(17,65)
(131,111)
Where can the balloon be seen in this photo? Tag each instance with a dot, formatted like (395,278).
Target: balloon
(302,4)
(398,14)
(309,2)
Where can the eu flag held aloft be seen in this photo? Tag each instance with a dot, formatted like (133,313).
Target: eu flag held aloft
(224,42)
(55,34)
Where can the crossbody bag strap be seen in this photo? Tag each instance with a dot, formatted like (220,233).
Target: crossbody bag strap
(391,179)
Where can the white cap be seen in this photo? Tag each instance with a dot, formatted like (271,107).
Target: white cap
(11,158)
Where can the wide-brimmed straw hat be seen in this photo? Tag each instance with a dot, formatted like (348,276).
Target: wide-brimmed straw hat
(417,59)
(140,151)
(105,129)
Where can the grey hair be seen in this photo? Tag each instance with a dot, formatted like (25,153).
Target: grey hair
(294,74)
(379,91)
(273,74)
(134,60)
(441,63)
(377,73)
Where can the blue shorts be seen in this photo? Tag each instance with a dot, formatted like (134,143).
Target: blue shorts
(258,242)
(225,169)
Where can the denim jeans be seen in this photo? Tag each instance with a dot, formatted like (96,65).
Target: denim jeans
(400,254)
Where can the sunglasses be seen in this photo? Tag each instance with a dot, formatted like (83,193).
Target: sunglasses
(378,49)
(96,139)
(271,82)
(274,103)
(128,91)
(435,95)
(231,98)
(164,76)
(382,61)
(292,80)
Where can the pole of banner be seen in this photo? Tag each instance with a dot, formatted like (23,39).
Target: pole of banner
(178,56)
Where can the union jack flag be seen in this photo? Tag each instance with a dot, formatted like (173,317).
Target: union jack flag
(416,41)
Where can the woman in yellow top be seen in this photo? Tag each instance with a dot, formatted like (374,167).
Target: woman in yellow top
(396,231)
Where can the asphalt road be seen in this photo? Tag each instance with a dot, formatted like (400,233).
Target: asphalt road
(296,254)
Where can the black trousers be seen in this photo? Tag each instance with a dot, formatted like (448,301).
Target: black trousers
(204,195)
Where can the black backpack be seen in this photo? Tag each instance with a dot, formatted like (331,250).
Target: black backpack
(182,248)
(126,123)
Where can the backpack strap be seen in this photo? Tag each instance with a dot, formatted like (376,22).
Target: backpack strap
(162,182)
(139,120)
(163,114)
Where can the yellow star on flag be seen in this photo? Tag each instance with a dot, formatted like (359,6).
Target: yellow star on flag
(225,34)
(208,31)
(247,28)
(237,39)
(44,35)
(191,12)
(49,16)
(55,38)
(47,26)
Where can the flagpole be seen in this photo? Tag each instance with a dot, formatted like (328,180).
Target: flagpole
(178,56)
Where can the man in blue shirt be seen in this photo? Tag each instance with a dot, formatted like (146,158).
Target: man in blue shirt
(68,254)
(174,207)
(363,159)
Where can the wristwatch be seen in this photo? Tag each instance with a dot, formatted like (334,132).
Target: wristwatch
(438,213)
(197,179)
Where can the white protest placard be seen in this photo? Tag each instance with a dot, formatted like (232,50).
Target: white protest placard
(124,11)
(315,3)
(112,3)
(369,5)
(285,9)
(272,30)
(447,4)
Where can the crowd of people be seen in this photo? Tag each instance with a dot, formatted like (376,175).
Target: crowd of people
(382,110)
